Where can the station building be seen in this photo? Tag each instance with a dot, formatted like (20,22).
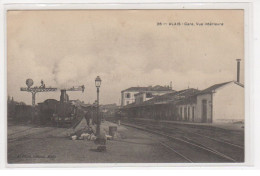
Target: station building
(217,103)
(161,107)
(141,94)
(222,102)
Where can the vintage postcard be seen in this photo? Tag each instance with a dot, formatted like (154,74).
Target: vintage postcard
(126,86)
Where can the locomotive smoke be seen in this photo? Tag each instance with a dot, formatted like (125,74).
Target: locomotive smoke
(65,73)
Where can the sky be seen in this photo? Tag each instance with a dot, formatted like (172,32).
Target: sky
(126,48)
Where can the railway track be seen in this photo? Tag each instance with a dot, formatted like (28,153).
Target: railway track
(180,130)
(21,134)
(202,134)
(233,150)
(21,131)
(180,138)
(24,136)
(175,151)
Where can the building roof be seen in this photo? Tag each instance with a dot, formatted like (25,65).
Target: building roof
(109,106)
(50,100)
(172,97)
(238,83)
(139,93)
(150,88)
(135,89)
(216,86)
(179,97)
(212,88)
(151,92)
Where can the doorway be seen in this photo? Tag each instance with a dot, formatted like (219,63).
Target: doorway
(193,113)
(204,111)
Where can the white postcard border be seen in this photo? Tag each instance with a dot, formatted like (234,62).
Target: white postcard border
(249,73)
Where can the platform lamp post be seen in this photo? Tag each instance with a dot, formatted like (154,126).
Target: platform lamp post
(98,83)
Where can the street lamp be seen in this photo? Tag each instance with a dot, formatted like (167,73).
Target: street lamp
(98,83)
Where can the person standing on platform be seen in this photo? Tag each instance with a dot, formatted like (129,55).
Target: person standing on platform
(87,117)
(118,117)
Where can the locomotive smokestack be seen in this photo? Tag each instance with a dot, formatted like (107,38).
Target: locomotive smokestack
(238,70)
(63,97)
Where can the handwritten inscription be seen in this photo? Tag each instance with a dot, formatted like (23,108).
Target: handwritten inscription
(190,24)
(35,156)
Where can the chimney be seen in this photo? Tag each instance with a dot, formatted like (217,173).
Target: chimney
(171,85)
(238,70)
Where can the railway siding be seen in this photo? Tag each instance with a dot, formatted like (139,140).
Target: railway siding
(221,149)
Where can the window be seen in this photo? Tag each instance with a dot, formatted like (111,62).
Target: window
(128,95)
(149,95)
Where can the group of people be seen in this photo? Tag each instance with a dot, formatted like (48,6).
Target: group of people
(91,117)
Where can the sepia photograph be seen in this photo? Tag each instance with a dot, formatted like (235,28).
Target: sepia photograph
(125,86)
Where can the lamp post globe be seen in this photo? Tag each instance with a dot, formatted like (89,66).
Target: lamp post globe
(98,82)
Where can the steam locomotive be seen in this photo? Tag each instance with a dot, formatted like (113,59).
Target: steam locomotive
(67,114)
(61,113)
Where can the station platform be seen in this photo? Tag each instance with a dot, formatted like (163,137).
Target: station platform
(231,126)
(52,145)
